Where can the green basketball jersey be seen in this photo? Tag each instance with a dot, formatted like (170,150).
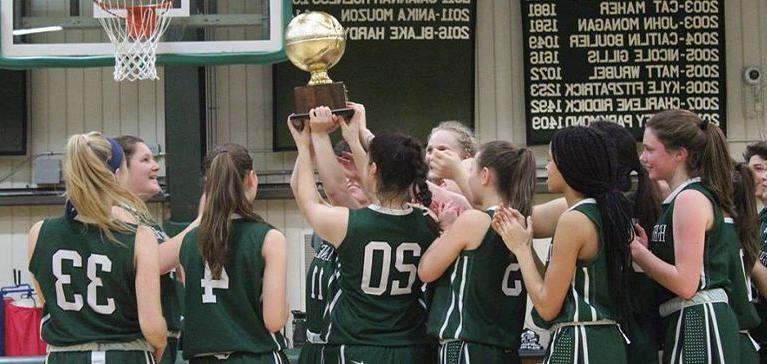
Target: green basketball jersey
(741,295)
(715,272)
(88,282)
(481,298)
(225,314)
(320,288)
(589,297)
(379,300)
(170,289)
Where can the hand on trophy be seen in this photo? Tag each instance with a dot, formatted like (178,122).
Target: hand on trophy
(351,130)
(302,137)
(360,115)
(322,125)
(323,118)
(315,42)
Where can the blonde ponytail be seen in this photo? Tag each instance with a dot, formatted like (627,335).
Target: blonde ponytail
(92,187)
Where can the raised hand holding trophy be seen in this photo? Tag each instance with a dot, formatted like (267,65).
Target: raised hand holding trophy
(315,42)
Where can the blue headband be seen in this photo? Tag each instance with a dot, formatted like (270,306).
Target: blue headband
(112,163)
(117,155)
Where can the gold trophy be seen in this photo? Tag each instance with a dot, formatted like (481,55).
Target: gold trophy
(315,42)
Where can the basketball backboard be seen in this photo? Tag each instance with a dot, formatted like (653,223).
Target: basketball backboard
(67,33)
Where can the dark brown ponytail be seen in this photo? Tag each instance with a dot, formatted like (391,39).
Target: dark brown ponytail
(226,167)
(708,158)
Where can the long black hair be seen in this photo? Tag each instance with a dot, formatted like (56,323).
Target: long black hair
(588,163)
(402,169)
(646,199)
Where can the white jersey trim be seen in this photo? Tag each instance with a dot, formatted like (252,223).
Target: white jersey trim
(460,298)
(452,302)
(587,293)
(716,331)
(676,336)
(582,202)
(98,357)
(390,211)
(679,189)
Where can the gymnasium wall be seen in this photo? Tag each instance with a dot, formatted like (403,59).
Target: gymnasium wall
(67,101)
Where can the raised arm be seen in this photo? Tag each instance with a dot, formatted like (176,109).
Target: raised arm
(331,173)
(148,291)
(351,133)
(275,303)
(328,222)
(465,234)
(360,118)
(693,213)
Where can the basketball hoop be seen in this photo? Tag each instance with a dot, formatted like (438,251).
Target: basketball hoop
(135,27)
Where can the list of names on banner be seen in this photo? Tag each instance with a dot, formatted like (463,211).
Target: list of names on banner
(399,19)
(621,61)
(410,62)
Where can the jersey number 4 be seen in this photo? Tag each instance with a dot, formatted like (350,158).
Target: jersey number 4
(208,284)
(385,250)
(94,261)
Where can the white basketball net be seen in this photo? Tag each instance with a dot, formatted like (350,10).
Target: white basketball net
(135,27)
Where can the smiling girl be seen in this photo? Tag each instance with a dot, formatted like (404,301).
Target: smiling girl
(686,253)
(139,176)
(96,268)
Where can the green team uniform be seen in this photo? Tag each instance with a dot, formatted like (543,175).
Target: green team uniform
(479,305)
(377,315)
(645,322)
(760,333)
(171,291)
(705,326)
(586,329)
(223,318)
(741,296)
(90,313)
(319,290)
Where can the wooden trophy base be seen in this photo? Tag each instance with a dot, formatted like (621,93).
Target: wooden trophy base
(332,95)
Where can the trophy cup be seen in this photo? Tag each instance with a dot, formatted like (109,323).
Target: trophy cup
(315,42)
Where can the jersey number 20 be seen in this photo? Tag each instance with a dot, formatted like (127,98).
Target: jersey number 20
(385,249)
(76,304)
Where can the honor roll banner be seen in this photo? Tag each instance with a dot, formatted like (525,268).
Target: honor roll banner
(410,62)
(621,61)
